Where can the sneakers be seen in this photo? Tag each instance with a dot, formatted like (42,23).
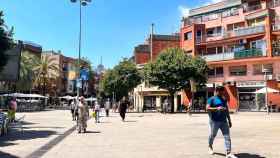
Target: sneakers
(210,151)
(230,156)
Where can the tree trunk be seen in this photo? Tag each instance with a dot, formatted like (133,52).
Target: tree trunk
(44,86)
(172,101)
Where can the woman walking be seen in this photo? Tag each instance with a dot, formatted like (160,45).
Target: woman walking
(97,111)
(123,107)
(83,116)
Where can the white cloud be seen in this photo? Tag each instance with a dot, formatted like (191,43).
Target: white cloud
(185,11)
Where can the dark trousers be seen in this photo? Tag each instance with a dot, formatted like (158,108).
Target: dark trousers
(122,113)
(107,112)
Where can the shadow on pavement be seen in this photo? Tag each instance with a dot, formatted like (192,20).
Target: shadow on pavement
(95,132)
(106,122)
(15,135)
(131,121)
(6,155)
(42,127)
(247,155)
(220,154)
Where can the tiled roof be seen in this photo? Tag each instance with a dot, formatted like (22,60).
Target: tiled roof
(142,48)
(175,37)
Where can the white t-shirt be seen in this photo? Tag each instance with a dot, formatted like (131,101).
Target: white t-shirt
(97,107)
(107,105)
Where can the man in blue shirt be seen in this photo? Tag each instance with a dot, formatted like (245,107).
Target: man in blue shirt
(219,119)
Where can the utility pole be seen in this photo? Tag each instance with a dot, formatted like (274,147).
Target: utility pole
(151,42)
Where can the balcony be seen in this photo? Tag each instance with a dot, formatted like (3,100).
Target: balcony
(249,30)
(248,53)
(252,8)
(219,57)
(274,4)
(234,55)
(276,27)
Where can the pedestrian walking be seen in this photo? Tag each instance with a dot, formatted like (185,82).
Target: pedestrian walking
(219,118)
(72,108)
(12,108)
(107,107)
(123,108)
(165,106)
(83,114)
(97,112)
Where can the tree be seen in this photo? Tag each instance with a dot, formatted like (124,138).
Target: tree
(46,70)
(6,41)
(120,80)
(173,71)
(27,75)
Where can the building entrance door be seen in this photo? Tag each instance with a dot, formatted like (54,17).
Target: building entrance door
(149,102)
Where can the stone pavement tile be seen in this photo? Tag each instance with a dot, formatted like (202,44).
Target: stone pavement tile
(39,129)
(165,136)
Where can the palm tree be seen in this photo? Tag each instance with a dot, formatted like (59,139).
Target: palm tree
(46,70)
(26,76)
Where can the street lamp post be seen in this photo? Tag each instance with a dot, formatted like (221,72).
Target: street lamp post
(81,3)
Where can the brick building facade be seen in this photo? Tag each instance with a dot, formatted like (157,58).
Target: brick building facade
(238,39)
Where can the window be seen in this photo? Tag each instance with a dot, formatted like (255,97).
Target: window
(230,12)
(216,72)
(219,71)
(235,26)
(257,69)
(198,33)
(215,31)
(258,44)
(188,36)
(257,22)
(238,70)
(211,50)
(209,17)
(268,67)
(211,72)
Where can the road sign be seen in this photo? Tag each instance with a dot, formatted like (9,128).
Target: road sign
(84,74)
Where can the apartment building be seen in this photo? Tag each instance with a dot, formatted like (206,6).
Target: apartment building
(65,83)
(147,97)
(240,41)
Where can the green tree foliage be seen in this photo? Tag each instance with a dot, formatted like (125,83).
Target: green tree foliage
(5,41)
(173,71)
(27,75)
(46,70)
(121,80)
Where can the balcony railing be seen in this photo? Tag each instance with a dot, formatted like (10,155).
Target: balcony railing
(276,27)
(248,53)
(252,8)
(274,4)
(249,30)
(234,55)
(219,57)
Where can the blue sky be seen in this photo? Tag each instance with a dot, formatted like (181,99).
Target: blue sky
(112,28)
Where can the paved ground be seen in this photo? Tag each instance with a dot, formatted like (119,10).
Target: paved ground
(254,135)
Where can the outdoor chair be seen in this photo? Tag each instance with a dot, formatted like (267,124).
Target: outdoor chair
(3,124)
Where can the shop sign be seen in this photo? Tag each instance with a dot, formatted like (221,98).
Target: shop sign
(251,84)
